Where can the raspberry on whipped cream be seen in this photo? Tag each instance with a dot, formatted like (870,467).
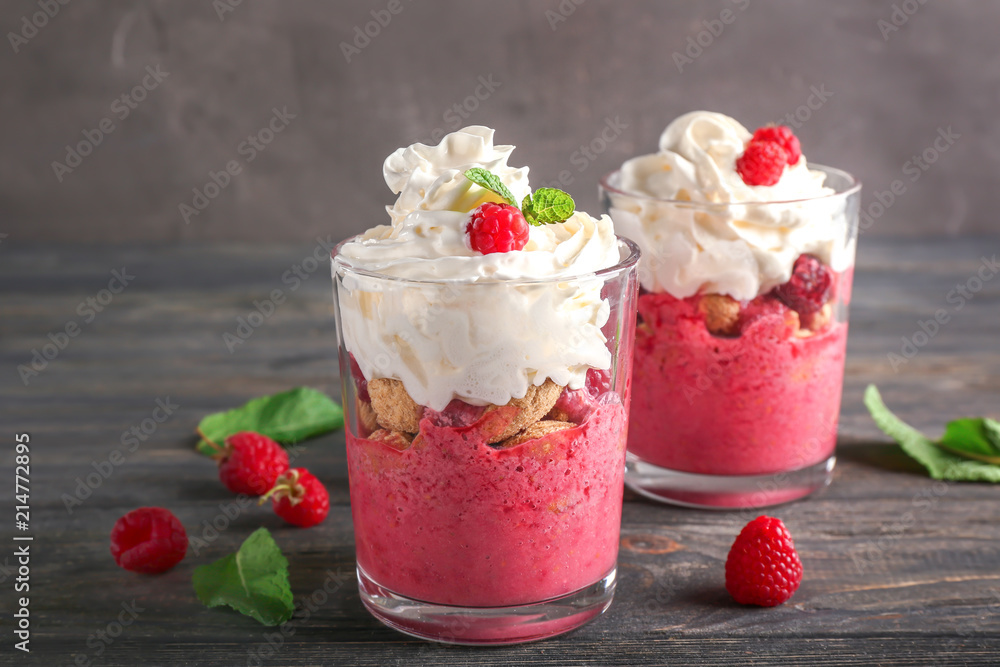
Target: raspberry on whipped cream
(486,345)
(746,245)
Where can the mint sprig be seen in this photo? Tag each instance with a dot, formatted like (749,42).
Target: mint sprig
(976,438)
(546,207)
(253,581)
(549,205)
(956,457)
(491,182)
(287,417)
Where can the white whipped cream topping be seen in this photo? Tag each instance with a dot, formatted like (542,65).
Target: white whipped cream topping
(743,239)
(470,330)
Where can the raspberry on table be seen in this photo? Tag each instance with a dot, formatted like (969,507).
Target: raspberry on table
(783,136)
(762,163)
(763,567)
(497,228)
(148,540)
(251,463)
(299,498)
(810,286)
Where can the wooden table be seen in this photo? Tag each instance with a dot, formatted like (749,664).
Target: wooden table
(899,570)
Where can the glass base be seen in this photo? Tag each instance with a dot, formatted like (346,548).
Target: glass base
(725,491)
(486,625)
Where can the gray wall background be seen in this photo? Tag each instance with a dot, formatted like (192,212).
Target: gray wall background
(563,70)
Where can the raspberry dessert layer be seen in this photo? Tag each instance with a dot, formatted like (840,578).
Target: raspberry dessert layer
(454,521)
(764,401)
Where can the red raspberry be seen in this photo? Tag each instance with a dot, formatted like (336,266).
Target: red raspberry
(762,567)
(598,382)
(148,540)
(251,463)
(299,498)
(809,287)
(762,163)
(360,381)
(781,135)
(497,228)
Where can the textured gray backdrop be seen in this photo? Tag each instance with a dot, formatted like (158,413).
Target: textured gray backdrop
(552,77)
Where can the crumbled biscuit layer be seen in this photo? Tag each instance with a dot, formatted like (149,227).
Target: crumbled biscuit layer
(537,430)
(530,409)
(395,409)
(721,313)
(392,438)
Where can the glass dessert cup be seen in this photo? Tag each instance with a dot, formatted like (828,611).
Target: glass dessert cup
(736,404)
(465,534)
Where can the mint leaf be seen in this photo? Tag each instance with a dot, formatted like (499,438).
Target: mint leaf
(991,428)
(940,463)
(491,182)
(969,437)
(288,417)
(547,206)
(253,581)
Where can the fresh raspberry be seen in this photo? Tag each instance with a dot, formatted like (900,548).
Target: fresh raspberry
(148,540)
(783,136)
(457,414)
(762,567)
(598,382)
(573,405)
(497,228)
(359,380)
(809,287)
(299,498)
(251,463)
(762,163)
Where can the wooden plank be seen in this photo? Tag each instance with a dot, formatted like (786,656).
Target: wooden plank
(900,570)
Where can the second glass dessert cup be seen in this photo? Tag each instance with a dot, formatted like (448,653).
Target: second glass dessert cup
(735,405)
(484,524)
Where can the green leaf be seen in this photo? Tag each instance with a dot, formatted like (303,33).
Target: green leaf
(547,206)
(992,429)
(253,581)
(941,464)
(969,437)
(491,182)
(288,417)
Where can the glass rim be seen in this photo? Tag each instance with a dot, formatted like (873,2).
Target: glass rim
(853,186)
(623,265)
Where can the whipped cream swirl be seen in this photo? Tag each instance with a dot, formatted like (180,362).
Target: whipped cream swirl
(450,322)
(732,238)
